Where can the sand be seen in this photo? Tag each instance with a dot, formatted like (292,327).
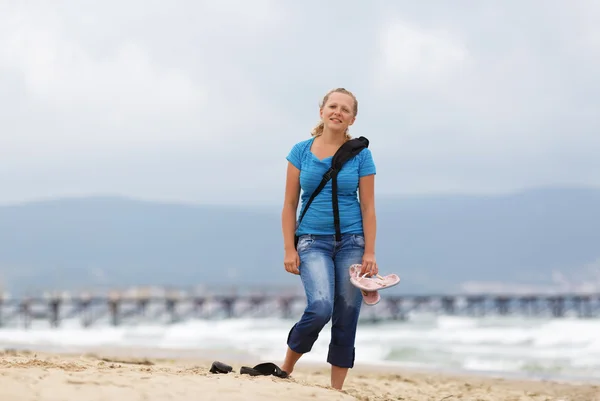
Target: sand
(36,376)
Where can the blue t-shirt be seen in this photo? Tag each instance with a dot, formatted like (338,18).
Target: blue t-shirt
(318,220)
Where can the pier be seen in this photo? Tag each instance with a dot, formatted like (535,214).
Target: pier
(116,308)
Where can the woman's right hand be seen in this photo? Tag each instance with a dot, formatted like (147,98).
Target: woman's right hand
(291,261)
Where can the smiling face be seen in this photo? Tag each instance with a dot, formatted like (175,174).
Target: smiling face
(338,112)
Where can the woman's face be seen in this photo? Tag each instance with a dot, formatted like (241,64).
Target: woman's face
(337,113)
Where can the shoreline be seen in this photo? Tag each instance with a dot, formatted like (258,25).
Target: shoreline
(247,358)
(137,373)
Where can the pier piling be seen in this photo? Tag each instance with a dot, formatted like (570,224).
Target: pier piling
(173,307)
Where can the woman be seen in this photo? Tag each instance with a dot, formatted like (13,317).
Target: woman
(320,260)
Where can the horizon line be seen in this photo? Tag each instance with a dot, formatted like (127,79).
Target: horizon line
(182,202)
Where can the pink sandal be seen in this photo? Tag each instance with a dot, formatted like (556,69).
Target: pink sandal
(370,286)
(371,297)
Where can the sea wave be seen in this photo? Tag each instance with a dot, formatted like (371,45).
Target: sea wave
(558,347)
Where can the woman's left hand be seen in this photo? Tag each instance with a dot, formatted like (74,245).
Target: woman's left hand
(369,266)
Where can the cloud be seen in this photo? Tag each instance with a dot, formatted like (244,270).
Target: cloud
(64,76)
(490,99)
(160,100)
(119,91)
(410,55)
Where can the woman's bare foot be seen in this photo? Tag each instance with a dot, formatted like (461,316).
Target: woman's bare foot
(291,358)
(338,376)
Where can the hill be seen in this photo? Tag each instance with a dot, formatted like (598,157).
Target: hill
(435,243)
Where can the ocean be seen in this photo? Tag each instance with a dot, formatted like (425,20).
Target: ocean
(566,348)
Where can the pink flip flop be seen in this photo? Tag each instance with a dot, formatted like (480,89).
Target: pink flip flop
(370,297)
(369,286)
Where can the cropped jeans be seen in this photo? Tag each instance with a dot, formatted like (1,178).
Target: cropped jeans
(324,264)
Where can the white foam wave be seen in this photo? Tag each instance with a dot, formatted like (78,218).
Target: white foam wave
(568,346)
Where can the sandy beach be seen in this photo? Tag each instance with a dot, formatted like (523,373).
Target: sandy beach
(41,376)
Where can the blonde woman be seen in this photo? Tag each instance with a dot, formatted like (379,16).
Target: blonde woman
(322,261)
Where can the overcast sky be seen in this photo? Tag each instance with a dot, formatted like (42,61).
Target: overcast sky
(200,101)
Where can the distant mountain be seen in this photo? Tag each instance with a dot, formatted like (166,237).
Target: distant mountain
(435,243)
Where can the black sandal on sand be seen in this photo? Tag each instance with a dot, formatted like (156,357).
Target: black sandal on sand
(264,369)
(220,367)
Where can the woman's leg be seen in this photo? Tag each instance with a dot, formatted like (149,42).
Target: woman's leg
(317,274)
(346,309)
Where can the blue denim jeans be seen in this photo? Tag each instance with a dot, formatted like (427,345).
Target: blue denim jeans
(324,264)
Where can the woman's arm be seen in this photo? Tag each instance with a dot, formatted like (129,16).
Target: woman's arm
(366,187)
(288,218)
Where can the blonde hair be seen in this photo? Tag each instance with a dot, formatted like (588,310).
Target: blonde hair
(318,130)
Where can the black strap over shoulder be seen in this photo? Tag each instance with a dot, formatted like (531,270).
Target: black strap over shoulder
(347,151)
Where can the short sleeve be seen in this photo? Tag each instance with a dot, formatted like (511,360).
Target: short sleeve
(366,164)
(295,155)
